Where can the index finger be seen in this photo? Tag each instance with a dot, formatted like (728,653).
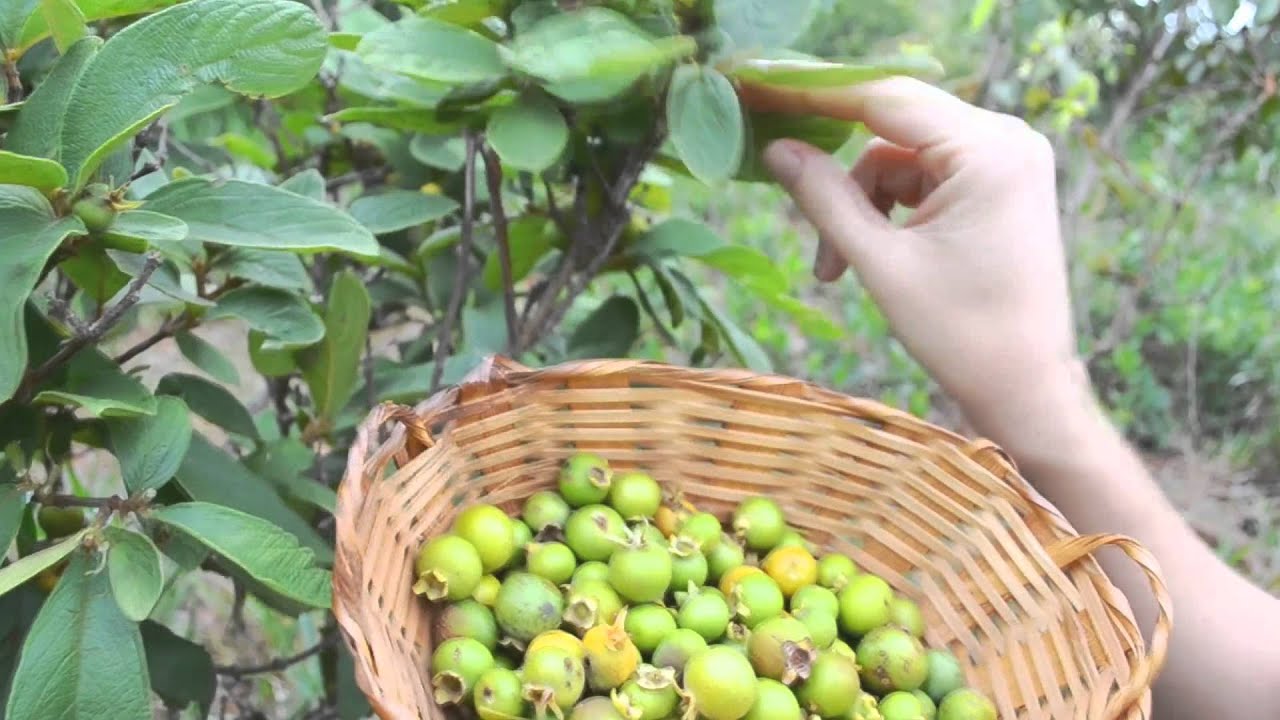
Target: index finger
(902,110)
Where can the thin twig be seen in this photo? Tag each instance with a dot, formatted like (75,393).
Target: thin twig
(171,327)
(458,292)
(59,500)
(284,663)
(493,176)
(12,79)
(647,306)
(94,332)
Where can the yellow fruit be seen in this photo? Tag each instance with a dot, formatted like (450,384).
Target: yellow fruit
(611,655)
(731,578)
(792,567)
(667,520)
(560,639)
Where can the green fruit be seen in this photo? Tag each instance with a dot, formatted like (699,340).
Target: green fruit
(901,705)
(688,564)
(59,522)
(864,604)
(720,684)
(781,649)
(553,678)
(906,614)
(757,598)
(927,704)
(650,695)
(96,213)
(585,480)
(822,626)
(647,625)
(705,612)
(966,704)
(498,695)
(866,707)
(832,687)
(590,570)
(676,648)
(596,708)
(448,568)
(505,662)
(774,701)
(641,572)
(725,556)
(468,618)
(891,659)
(486,592)
(704,529)
(635,495)
(943,676)
(591,603)
(651,534)
(759,523)
(489,530)
(816,597)
(528,605)
(456,667)
(594,532)
(522,536)
(843,648)
(835,571)
(545,509)
(553,561)
(793,538)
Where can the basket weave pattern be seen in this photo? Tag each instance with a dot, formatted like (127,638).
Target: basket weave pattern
(1003,580)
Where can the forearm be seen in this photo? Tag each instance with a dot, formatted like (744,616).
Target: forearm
(1224,628)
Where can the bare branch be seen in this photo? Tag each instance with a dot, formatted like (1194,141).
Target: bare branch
(279,664)
(171,327)
(493,175)
(444,339)
(12,79)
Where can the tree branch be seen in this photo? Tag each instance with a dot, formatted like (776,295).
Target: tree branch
(12,79)
(94,332)
(444,343)
(493,176)
(171,327)
(284,663)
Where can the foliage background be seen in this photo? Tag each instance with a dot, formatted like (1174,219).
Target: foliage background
(1164,116)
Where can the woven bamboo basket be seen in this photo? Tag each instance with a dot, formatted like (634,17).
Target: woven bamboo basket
(1003,580)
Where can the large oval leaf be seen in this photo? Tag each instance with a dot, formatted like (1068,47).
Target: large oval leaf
(96,384)
(12,503)
(332,369)
(764,24)
(150,448)
(268,554)
(39,173)
(824,74)
(31,234)
(609,332)
(133,564)
(13,15)
(181,671)
(264,48)
(137,230)
(397,210)
(705,121)
(82,657)
(39,123)
(432,50)
(26,567)
(208,358)
(234,212)
(530,134)
(826,134)
(273,268)
(676,237)
(37,27)
(286,318)
(210,401)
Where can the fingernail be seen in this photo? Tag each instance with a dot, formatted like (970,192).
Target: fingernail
(783,160)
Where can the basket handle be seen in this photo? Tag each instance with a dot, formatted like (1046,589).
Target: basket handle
(1071,551)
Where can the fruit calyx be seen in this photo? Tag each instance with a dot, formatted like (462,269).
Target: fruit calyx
(450,688)
(797,658)
(433,584)
(543,699)
(582,612)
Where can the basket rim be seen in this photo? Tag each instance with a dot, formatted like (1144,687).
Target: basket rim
(369,455)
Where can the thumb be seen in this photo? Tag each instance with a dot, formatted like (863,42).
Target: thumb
(837,206)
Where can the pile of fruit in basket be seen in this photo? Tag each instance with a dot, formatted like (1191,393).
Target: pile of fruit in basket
(604,600)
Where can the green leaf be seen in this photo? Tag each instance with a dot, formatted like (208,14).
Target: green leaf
(210,475)
(13,15)
(150,448)
(272,268)
(359,78)
(466,13)
(270,361)
(17,611)
(164,280)
(208,358)
(826,134)
(28,566)
(674,237)
(286,318)
(445,152)
(332,370)
(82,657)
(285,463)
(531,238)
(749,266)
(432,50)
(345,40)
(397,210)
(529,134)
(210,401)
(65,22)
(36,28)
(31,234)
(137,230)
(133,564)
(181,671)
(410,383)
(743,346)
(35,172)
(268,554)
(609,332)
(38,127)
(234,212)
(309,183)
(981,13)
(95,383)
(706,123)
(12,502)
(265,48)
(410,119)
(763,24)
(795,73)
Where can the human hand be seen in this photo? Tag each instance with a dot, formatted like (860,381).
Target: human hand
(974,282)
